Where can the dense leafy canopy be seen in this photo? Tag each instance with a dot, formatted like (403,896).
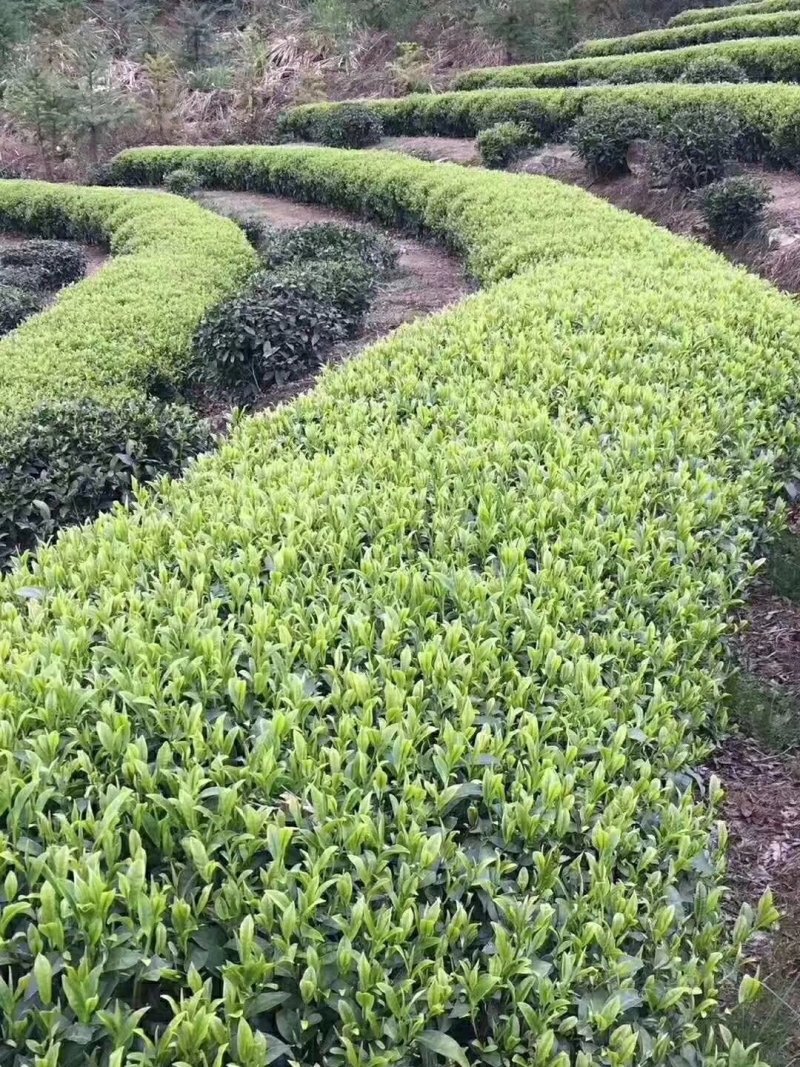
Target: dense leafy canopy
(371,740)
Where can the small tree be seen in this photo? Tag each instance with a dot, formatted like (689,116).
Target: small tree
(162,93)
(97,108)
(36,98)
(198,25)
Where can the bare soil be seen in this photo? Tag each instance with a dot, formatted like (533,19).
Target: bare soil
(435,149)
(426,279)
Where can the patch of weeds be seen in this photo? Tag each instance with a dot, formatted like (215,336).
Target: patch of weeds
(783,565)
(764,711)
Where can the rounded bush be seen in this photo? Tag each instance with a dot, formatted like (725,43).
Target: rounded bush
(352,126)
(329,240)
(696,144)
(15,306)
(30,277)
(733,206)
(603,134)
(58,262)
(183,181)
(501,144)
(100,174)
(278,329)
(75,458)
(713,69)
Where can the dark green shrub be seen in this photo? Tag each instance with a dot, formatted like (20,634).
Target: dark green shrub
(15,306)
(183,182)
(503,143)
(254,228)
(733,206)
(353,126)
(100,174)
(75,458)
(603,134)
(60,263)
(696,144)
(713,69)
(329,240)
(31,278)
(279,328)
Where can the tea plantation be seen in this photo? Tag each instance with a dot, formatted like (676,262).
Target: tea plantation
(376,737)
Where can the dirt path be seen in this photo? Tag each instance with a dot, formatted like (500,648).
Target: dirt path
(426,280)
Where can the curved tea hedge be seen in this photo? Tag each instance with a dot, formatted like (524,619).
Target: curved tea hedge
(371,741)
(770,59)
(711,14)
(77,422)
(110,336)
(768,24)
(768,114)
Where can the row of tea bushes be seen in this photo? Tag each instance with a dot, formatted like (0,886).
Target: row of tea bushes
(768,115)
(772,59)
(769,24)
(78,422)
(372,741)
(710,14)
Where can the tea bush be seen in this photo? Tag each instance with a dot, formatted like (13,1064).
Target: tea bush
(107,341)
(32,279)
(56,263)
(772,59)
(503,143)
(75,458)
(373,740)
(734,206)
(713,69)
(329,240)
(283,323)
(696,145)
(711,14)
(183,181)
(604,133)
(349,126)
(768,114)
(769,24)
(16,305)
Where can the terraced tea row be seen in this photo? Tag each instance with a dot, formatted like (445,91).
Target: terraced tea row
(372,740)
(772,59)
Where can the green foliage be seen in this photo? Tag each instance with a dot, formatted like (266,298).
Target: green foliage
(377,732)
(57,262)
(696,144)
(713,69)
(73,459)
(604,133)
(779,24)
(281,326)
(349,126)
(769,115)
(25,277)
(102,347)
(773,59)
(711,14)
(314,293)
(733,206)
(183,181)
(16,305)
(503,143)
(329,240)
